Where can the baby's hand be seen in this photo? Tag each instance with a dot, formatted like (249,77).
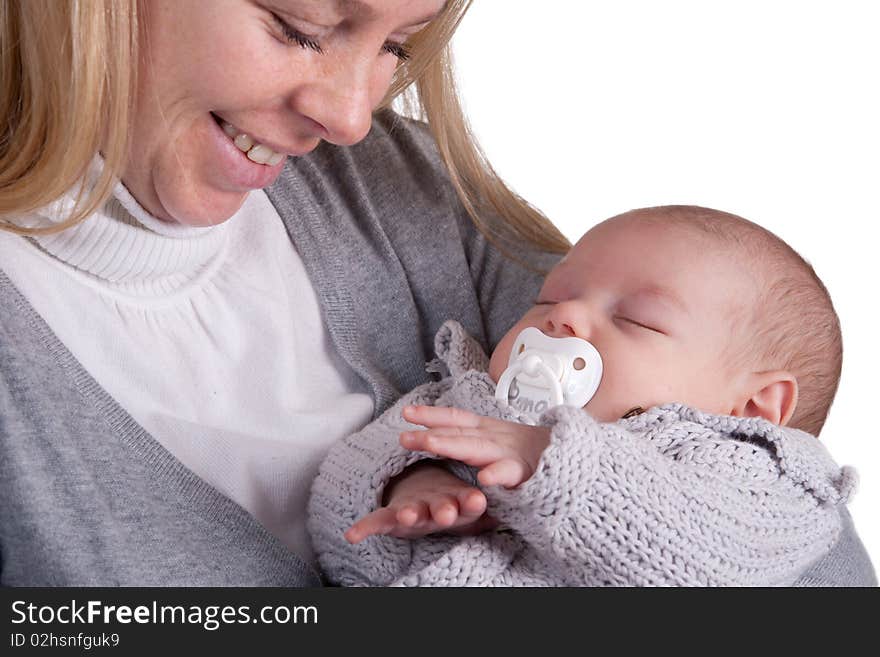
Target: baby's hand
(423,500)
(507,453)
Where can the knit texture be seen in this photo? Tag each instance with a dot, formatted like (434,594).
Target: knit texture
(673,496)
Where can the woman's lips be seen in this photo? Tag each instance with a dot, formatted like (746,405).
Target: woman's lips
(255,138)
(235,166)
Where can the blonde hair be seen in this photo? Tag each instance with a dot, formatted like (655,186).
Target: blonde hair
(68,77)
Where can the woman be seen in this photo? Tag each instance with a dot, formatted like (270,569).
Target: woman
(179,349)
(178,359)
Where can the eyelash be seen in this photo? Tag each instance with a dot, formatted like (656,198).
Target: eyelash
(538,302)
(635,323)
(300,39)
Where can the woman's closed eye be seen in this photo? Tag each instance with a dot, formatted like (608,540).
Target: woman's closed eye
(294,36)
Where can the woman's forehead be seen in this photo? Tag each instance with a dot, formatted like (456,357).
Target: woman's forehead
(412,12)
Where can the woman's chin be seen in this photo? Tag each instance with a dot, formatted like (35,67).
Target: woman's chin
(201,208)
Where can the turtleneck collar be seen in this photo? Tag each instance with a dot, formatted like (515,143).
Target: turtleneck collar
(125,247)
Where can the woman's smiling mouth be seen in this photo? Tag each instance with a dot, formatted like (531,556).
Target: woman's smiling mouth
(255,151)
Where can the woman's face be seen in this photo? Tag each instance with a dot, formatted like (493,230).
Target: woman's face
(254,64)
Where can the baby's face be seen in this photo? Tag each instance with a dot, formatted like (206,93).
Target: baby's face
(658,304)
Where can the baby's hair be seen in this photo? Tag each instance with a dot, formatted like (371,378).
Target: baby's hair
(793,326)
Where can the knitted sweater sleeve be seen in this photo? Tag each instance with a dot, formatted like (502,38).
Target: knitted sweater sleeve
(352,479)
(350,484)
(677,497)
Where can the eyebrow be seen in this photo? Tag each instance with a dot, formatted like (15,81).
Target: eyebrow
(358,7)
(666,295)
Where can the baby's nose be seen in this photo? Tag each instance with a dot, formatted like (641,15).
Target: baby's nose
(566,320)
(558,328)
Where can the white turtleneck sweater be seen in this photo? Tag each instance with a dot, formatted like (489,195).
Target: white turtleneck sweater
(211,338)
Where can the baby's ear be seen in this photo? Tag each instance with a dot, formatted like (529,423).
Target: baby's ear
(770,395)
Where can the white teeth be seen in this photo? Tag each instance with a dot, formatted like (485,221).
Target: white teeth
(263,155)
(260,154)
(229,129)
(243,142)
(256,151)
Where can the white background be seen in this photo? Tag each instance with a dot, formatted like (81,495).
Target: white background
(769,109)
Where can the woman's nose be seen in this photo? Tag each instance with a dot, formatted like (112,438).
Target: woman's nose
(340,101)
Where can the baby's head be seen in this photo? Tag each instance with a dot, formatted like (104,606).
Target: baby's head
(692,305)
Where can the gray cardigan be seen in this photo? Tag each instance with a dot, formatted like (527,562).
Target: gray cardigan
(670,497)
(87,497)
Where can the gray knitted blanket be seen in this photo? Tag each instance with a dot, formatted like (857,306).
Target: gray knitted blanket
(673,496)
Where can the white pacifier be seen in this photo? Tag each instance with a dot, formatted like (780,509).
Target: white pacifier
(544,372)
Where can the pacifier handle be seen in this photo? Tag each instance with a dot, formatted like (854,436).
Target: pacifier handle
(531,365)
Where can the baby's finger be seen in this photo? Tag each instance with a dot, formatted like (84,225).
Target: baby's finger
(413,514)
(441,416)
(509,473)
(460,445)
(380,521)
(471,503)
(444,511)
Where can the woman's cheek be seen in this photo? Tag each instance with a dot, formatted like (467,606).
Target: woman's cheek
(380,83)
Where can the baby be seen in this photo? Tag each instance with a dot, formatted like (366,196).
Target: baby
(715,326)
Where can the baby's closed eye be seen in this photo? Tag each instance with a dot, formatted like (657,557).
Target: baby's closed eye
(639,324)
